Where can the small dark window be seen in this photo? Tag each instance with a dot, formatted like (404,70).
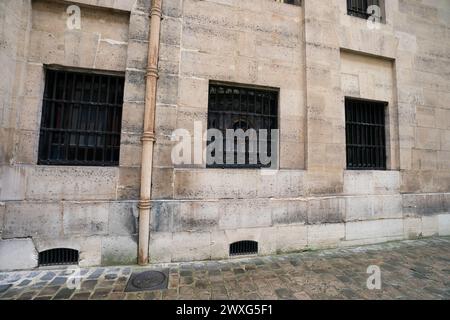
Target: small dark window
(81,119)
(240,107)
(242,248)
(294,2)
(359,8)
(60,256)
(365,133)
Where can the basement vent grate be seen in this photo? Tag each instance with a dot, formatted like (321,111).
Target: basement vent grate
(59,256)
(243,248)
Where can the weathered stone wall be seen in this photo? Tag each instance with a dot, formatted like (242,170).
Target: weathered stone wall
(90,209)
(315,54)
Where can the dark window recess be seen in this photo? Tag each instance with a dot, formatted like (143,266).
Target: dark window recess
(60,256)
(365,133)
(242,248)
(294,2)
(81,119)
(233,107)
(358,8)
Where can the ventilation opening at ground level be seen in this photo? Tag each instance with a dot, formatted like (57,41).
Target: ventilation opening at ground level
(243,248)
(59,256)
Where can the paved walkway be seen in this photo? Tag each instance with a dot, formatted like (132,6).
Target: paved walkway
(409,270)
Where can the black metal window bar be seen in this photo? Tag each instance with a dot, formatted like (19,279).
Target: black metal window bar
(358,8)
(294,2)
(365,133)
(81,119)
(241,107)
(59,256)
(243,248)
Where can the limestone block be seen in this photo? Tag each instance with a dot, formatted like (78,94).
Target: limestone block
(119,250)
(26,147)
(386,182)
(358,182)
(137,52)
(427,138)
(193,93)
(288,183)
(288,212)
(430,226)
(160,249)
(220,246)
(373,207)
(197,216)
(12,183)
(129,183)
(187,246)
(445,140)
(33,219)
(386,229)
(162,183)
(125,5)
(85,218)
(443,160)
(444,224)
(162,213)
(123,218)
(111,55)
(167,89)
(241,214)
(412,228)
(424,159)
(171,31)
(134,90)
(326,210)
(71,183)
(325,235)
(139,26)
(291,238)
(426,117)
(17,254)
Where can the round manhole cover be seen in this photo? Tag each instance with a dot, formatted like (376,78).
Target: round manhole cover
(149,279)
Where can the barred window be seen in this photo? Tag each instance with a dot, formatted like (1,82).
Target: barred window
(294,2)
(365,133)
(240,107)
(81,118)
(359,8)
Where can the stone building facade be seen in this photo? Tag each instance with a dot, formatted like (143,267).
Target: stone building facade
(313,53)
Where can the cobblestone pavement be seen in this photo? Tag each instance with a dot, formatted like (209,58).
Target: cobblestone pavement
(409,270)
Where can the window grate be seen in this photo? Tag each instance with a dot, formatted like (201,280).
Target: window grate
(59,256)
(242,248)
(81,119)
(365,134)
(240,107)
(358,8)
(294,2)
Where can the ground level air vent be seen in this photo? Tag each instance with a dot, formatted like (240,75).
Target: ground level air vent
(148,281)
(243,248)
(60,256)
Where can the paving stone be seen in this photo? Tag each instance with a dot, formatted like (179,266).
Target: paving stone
(81,296)
(410,270)
(64,294)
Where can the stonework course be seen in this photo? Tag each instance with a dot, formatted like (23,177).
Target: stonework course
(315,55)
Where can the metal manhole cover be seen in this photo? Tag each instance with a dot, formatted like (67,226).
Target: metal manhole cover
(148,281)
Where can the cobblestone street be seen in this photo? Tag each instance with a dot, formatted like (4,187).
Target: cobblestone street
(409,270)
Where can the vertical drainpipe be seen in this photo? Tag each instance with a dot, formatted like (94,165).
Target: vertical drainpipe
(149,138)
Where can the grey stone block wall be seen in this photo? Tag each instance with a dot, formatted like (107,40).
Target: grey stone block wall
(315,54)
